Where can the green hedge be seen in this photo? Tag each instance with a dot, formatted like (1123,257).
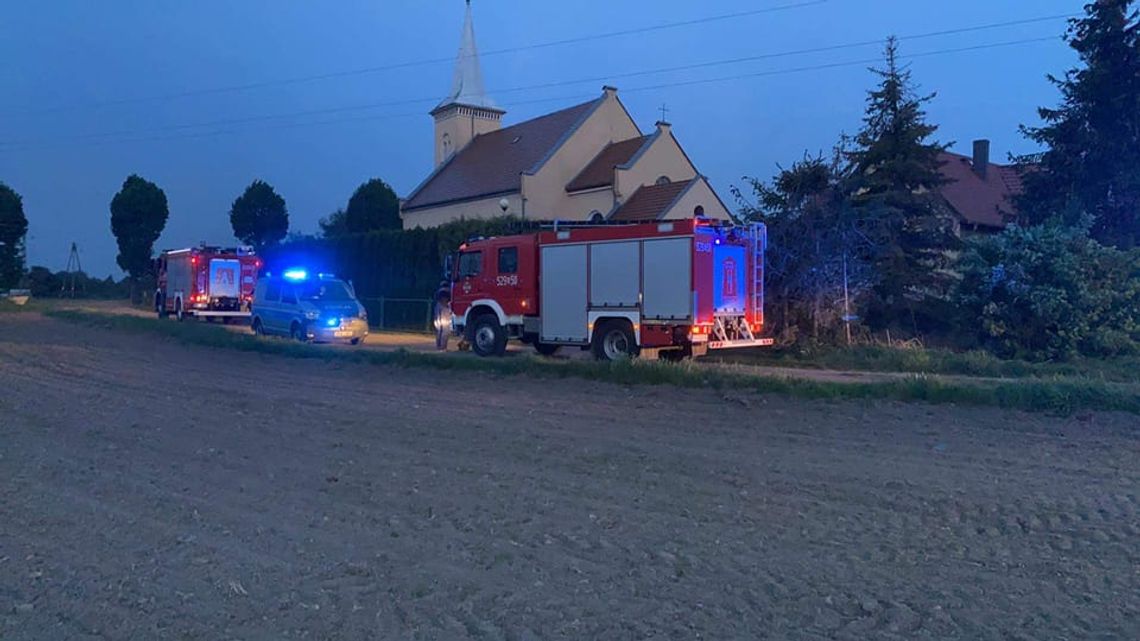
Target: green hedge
(390,263)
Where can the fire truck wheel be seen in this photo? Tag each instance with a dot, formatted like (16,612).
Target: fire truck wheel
(547,349)
(160,306)
(178,313)
(614,341)
(488,338)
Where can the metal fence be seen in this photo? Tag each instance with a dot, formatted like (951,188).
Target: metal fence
(408,314)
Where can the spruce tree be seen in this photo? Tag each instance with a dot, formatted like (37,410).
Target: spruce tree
(893,191)
(1091,164)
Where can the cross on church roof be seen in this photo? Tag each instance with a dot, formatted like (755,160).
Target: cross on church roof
(664,110)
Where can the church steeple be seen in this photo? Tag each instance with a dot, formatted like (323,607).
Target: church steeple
(467,111)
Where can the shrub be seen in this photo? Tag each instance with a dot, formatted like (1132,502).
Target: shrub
(1050,293)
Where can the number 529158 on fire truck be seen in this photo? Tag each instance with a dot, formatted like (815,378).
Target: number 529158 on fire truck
(678,287)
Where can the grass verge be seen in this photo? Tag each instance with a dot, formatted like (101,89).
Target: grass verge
(1064,397)
(938,361)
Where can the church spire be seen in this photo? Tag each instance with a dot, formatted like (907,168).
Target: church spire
(467,84)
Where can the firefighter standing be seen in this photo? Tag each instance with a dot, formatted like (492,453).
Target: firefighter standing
(442,316)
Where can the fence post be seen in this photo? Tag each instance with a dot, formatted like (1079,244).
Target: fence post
(430,316)
(381,326)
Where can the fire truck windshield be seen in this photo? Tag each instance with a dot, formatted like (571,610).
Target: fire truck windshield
(329,290)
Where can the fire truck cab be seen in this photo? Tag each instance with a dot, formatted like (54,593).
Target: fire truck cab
(204,281)
(674,287)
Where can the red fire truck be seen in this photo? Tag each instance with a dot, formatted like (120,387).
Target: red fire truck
(678,287)
(204,281)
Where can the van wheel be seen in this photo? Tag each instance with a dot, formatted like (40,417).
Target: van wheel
(547,349)
(488,338)
(614,341)
(178,313)
(298,333)
(257,327)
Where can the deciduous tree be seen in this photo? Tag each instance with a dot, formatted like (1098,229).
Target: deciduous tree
(373,206)
(138,216)
(13,229)
(259,216)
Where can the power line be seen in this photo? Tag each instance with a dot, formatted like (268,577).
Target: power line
(430,61)
(549,85)
(668,85)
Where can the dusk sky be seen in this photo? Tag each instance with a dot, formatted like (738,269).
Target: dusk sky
(95,91)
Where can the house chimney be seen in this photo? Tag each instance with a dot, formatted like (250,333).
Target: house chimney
(981,157)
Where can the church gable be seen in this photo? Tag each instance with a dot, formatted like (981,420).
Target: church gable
(671,201)
(661,158)
(545,187)
(600,171)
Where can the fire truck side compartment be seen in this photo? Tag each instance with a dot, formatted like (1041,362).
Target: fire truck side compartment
(667,279)
(612,282)
(563,299)
(179,276)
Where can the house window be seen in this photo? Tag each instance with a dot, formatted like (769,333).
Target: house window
(698,211)
(663,180)
(509,260)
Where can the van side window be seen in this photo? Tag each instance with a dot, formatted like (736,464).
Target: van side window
(470,264)
(288,296)
(509,260)
(272,291)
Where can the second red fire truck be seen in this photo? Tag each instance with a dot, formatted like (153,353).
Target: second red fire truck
(678,287)
(207,282)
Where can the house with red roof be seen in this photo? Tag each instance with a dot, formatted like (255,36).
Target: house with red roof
(981,193)
(587,162)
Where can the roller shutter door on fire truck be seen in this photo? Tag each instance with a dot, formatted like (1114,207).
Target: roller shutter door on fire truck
(563,308)
(667,279)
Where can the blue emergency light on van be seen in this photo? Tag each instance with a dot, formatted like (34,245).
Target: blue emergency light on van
(308,306)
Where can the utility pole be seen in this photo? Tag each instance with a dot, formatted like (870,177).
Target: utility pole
(846,302)
(73,271)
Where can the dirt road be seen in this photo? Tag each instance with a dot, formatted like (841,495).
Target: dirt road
(156,491)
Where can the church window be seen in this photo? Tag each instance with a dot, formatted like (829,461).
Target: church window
(663,180)
(596,217)
(446,145)
(699,211)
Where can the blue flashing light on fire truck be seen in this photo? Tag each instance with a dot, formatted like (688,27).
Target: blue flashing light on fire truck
(680,287)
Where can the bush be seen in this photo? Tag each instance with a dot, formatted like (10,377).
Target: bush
(392,263)
(1050,293)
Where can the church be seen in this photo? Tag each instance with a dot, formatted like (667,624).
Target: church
(588,162)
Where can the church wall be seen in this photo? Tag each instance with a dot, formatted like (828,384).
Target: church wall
(474,209)
(584,203)
(699,194)
(546,191)
(663,158)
